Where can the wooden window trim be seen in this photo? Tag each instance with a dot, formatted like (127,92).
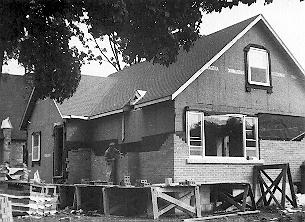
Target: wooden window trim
(251,85)
(255,119)
(39,147)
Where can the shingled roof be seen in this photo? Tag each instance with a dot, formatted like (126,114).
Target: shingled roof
(14,94)
(98,95)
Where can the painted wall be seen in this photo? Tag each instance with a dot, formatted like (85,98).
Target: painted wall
(44,115)
(223,90)
(148,121)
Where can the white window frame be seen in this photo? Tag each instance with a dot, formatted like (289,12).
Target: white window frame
(268,82)
(255,119)
(244,117)
(202,133)
(38,147)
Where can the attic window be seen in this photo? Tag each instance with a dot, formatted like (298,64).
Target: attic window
(257,66)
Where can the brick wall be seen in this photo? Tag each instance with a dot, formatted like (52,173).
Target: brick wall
(155,166)
(79,165)
(292,152)
(98,167)
(207,173)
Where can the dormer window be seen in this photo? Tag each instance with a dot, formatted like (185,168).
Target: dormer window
(257,66)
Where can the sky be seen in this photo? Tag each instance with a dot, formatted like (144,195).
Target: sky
(286,17)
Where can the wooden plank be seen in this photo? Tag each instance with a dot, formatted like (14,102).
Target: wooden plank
(78,197)
(283,200)
(270,192)
(106,202)
(175,189)
(230,200)
(178,203)
(294,200)
(154,201)
(252,198)
(171,206)
(274,183)
(197,202)
(271,166)
(245,195)
(225,205)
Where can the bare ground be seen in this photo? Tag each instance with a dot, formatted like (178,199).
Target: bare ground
(268,214)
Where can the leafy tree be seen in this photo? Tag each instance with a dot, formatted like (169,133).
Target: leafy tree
(37,33)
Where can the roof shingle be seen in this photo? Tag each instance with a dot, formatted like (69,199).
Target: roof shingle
(97,95)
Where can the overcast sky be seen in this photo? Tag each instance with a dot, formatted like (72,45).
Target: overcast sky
(287,17)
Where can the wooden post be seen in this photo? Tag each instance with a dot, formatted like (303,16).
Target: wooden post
(78,198)
(106,201)
(154,200)
(284,187)
(197,200)
(294,201)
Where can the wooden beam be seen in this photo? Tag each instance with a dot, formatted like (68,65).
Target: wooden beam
(246,191)
(106,201)
(197,201)
(154,200)
(284,187)
(225,197)
(78,198)
(171,206)
(269,191)
(294,200)
(178,203)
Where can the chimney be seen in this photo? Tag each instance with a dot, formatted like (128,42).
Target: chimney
(6,127)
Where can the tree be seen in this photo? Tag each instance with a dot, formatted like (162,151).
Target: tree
(37,33)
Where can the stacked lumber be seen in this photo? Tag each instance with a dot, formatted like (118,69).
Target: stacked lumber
(43,199)
(5,210)
(19,195)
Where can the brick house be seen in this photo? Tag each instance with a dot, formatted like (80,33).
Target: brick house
(14,94)
(236,99)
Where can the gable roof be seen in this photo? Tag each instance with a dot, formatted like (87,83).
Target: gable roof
(14,94)
(111,93)
(100,96)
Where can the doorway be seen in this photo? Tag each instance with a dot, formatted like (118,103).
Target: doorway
(59,154)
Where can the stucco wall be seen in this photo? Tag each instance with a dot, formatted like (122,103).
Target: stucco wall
(44,115)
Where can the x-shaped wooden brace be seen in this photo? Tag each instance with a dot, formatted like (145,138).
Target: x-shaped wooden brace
(175,203)
(285,173)
(239,201)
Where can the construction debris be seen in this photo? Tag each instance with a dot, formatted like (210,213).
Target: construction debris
(43,199)
(5,210)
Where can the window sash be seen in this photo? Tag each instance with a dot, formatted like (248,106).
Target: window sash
(193,148)
(201,149)
(35,146)
(260,63)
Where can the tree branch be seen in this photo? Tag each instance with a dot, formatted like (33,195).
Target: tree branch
(101,51)
(115,52)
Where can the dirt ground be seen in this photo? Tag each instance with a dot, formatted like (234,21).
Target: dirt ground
(265,215)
